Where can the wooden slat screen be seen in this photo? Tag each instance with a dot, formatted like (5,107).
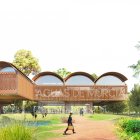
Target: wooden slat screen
(8,83)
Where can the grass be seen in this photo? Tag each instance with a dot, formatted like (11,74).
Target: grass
(52,118)
(16,131)
(46,132)
(103,117)
(47,135)
(41,132)
(49,131)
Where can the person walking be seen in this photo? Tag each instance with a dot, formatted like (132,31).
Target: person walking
(35,115)
(70,124)
(81,112)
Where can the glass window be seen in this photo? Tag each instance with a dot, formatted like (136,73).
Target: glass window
(48,80)
(109,80)
(79,80)
(7,69)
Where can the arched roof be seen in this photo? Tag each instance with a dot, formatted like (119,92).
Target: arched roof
(4,64)
(80,73)
(116,74)
(47,73)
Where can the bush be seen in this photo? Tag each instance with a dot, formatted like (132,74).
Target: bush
(133,126)
(129,129)
(122,123)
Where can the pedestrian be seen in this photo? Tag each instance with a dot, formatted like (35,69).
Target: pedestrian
(70,124)
(35,115)
(82,112)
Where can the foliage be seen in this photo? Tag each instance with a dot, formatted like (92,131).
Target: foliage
(63,72)
(136,67)
(116,107)
(94,76)
(134,99)
(133,126)
(129,129)
(41,132)
(18,105)
(26,62)
(29,105)
(16,131)
(7,108)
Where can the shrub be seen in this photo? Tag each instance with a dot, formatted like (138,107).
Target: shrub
(136,136)
(129,129)
(133,126)
(122,123)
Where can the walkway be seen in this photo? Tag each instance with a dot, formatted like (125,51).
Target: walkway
(90,130)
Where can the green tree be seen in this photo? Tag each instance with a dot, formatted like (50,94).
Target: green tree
(116,107)
(26,62)
(18,105)
(29,105)
(134,98)
(136,67)
(94,76)
(63,72)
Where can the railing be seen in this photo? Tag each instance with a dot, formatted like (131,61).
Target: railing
(8,82)
(80,93)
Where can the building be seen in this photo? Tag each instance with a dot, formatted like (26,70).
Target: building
(78,88)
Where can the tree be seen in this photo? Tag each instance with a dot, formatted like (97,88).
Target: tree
(29,105)
(134,98)
(26,62)
(116,107)
(18,105)
(136,67)
(63,72)
(94,76)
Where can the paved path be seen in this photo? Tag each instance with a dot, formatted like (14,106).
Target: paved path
(90,130)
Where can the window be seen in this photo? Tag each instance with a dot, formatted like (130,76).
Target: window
(79,80)
(7,69)
(109,80)
(48,80)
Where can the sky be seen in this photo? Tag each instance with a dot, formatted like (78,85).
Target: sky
(95,36)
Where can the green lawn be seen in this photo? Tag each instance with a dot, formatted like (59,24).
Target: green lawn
(53,118)
(45,132)
(101,117)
